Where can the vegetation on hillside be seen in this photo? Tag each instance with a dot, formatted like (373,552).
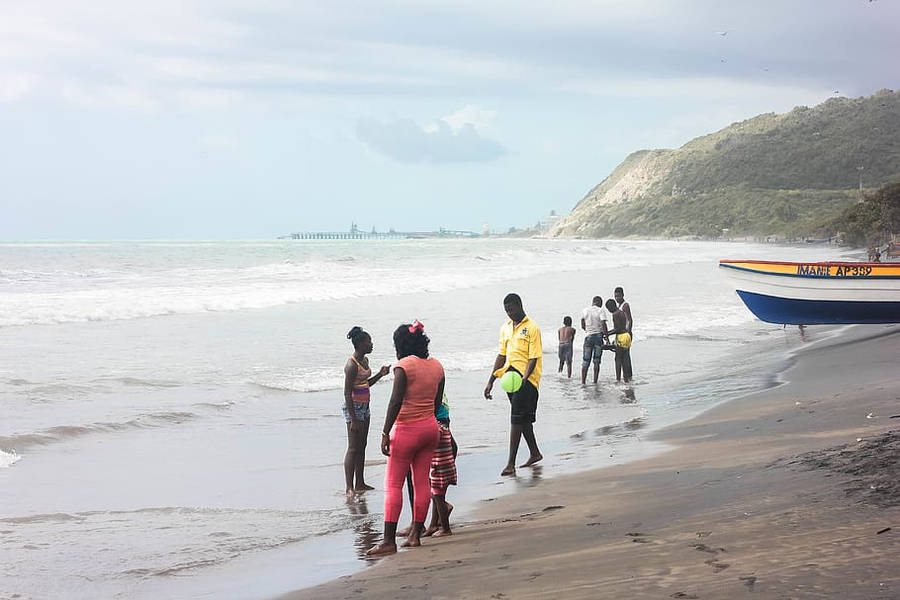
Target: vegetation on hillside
(789,175)
(732,212)
(873,221)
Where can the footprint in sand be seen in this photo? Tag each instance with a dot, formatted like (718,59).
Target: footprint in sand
(705,548)
(684,595)
(637,537)
(716,565)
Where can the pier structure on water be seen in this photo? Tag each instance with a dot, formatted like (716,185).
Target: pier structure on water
(357,234)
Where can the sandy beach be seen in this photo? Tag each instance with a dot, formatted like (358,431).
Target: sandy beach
(788,493)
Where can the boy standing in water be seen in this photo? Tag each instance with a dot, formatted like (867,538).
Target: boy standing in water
(619,295)
(566,340)
(594,322)
(622,341)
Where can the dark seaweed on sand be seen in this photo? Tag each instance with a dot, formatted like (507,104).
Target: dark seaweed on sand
(873,462)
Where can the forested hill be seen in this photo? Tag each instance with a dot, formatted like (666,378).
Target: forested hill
(787,174)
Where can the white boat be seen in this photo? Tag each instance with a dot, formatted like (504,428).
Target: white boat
(823,292)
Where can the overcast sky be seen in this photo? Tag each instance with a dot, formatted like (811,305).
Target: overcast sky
(253,118)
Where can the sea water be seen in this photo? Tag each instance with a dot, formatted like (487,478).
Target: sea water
(170,420)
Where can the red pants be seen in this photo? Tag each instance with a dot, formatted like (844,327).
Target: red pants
(412,445)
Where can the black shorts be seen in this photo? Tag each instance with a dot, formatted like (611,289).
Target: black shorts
(523,404)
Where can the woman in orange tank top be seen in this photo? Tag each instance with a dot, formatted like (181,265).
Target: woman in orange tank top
(410,432)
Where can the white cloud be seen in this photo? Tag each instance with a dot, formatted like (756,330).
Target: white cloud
(478,118)
(14,86)
(697,88)
(406,141)
(219,143)
(206,98)
(108,96)
(279,49)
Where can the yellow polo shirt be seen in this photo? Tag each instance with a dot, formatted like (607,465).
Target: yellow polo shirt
(519,344)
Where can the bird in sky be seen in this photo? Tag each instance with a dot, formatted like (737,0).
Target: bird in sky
(722,33)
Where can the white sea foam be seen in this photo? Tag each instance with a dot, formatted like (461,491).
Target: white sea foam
(8,459)
(114,289)
(62,433)
(306,379)
(690,323)
(300,380)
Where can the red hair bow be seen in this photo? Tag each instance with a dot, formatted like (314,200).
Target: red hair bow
(416,326)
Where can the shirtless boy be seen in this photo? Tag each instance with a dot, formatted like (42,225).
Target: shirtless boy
(566,339)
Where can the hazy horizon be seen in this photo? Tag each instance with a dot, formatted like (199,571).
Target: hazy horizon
(239,120)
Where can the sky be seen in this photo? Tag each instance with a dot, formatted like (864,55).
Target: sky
(219,119)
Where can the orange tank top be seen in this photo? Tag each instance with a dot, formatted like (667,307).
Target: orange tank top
(422,378)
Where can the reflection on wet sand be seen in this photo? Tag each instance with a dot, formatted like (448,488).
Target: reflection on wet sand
(605,430)
(525,479)
(628,396)
(366,530)
(635,424)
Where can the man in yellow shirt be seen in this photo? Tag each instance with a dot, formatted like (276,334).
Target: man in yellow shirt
(520,351)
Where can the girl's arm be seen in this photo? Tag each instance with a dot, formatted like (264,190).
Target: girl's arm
(385,369)
(439,397)
(626,308)
(350,371)
(393,408)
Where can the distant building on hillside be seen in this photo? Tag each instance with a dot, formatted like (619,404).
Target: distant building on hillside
(547,223)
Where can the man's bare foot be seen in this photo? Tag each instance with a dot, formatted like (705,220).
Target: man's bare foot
(532,460)
(443,533)
(509,470)
(405,531)
(430,531)
(382,549)
(364,487)
(350,493)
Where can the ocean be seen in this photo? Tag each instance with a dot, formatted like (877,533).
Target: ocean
(170,421)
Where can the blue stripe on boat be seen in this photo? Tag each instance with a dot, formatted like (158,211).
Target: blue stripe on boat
(811,312)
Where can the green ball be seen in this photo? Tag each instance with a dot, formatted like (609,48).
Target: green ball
(511,382)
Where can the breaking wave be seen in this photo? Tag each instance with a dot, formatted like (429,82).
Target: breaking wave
(62,433)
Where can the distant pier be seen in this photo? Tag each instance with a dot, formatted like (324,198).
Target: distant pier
(345,235)
(356,234)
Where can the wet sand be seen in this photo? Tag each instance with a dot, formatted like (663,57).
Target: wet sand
(793,492)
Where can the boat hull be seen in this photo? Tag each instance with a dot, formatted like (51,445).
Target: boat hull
(791,311)
(812,293)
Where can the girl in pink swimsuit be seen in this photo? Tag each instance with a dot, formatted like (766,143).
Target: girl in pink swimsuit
(410,432)
(357,379)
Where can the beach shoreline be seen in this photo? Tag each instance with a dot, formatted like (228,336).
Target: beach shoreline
(747,500)
(247,497)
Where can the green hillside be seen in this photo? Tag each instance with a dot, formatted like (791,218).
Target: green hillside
(790,175)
